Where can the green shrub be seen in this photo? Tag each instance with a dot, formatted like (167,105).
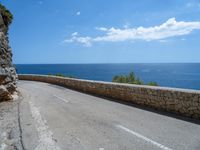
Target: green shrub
(152,83)
(6,15)
(131,79)
(59,75)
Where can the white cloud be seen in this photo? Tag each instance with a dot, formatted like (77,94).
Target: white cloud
(86,41)
(78,13)
(75,34)
(101,29)
(127,25)
(170,28)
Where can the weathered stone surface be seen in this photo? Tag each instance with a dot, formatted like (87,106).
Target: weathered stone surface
(4,94)
(8,75)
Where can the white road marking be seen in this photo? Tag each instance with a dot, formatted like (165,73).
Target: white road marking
(46,141)
(64,100)
(144,138)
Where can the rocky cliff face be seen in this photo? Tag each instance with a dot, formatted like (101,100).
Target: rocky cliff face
(8,75)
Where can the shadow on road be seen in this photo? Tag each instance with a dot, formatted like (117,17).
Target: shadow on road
(146,108)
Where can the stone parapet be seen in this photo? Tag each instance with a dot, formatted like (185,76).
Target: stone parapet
(180,101)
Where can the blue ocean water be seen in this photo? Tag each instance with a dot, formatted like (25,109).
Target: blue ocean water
(180,75)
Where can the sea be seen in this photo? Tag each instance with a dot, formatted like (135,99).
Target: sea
(178,75)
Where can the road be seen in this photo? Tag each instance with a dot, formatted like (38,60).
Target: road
(57,118)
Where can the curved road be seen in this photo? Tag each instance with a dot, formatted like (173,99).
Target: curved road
(56,118)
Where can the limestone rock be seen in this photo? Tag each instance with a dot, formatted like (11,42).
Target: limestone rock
(8,76)
(4,94)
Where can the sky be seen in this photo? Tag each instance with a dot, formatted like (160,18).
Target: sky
(104,31)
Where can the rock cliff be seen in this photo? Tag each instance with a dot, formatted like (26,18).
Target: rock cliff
(8,76)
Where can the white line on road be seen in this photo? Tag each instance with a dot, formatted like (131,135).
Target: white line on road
(144,138)
(46,141)
(64,100)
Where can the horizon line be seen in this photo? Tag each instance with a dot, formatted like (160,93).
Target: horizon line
(106,63)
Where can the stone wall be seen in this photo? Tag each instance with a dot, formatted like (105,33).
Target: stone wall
(8,75)
(180,101)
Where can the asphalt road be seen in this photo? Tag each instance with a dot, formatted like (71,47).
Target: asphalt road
(56,118)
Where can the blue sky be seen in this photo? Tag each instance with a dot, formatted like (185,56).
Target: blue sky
(104,31)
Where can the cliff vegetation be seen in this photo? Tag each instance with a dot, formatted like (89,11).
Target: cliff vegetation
(131,79)
(6,15)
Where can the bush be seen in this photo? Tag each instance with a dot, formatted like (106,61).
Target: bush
(152,84)
(6,15)
(131,79)
(59,75)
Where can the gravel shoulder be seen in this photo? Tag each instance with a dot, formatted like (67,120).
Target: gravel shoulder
(9,125)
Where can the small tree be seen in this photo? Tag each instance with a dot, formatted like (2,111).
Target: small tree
(6,15)
(131,79)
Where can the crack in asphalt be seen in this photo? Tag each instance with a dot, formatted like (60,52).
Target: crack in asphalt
(20,127)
